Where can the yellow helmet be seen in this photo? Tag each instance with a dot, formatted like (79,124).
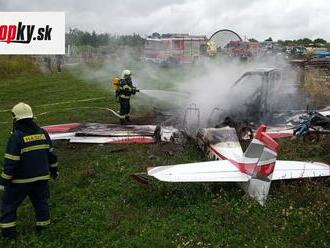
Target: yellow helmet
(125,73)
(22,111)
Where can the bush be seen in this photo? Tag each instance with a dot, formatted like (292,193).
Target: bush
(12,66)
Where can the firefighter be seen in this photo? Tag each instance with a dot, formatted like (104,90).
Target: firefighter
(126,89)
(29,164)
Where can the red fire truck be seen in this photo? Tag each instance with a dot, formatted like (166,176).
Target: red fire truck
(242,48)
(174,48)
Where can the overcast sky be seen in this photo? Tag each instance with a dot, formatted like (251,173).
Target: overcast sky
(280,19)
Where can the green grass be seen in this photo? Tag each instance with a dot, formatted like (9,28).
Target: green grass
(12,65)
(96,204)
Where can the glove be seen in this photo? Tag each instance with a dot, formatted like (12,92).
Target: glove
(2,188)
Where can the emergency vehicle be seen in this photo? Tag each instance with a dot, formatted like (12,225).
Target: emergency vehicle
(174,48)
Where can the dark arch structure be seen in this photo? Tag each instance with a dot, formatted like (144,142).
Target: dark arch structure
(223,36)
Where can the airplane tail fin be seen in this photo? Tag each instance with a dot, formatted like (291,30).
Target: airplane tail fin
(265,148)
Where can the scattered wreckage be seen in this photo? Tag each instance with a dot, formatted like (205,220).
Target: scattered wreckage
(96,133)
(266,102)
(259,94)
(253,170)
(310,125)
(313,125)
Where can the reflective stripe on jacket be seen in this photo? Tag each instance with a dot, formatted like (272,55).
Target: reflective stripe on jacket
(29,157)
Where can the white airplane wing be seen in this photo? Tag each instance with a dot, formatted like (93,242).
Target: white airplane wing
(212,171)
(285,169)
(113,140)
(61,136)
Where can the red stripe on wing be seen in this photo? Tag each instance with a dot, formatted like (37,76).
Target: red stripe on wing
(243,167)
(130,140)
(62,128)
(265,170)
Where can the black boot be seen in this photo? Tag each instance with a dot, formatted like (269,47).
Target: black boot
(9,233)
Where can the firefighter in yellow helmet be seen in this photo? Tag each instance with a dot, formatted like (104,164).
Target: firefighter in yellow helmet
(29,164)
(126,89)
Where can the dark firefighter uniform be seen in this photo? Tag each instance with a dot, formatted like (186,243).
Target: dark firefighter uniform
(29,163)
(126,89)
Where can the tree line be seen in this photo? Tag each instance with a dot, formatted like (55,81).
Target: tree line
(78,37)
(303,42)
(299,42)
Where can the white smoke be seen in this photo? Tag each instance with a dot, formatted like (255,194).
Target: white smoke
(208,85)
(211,87)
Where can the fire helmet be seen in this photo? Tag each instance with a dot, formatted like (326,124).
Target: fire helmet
(125,74)
(22,111)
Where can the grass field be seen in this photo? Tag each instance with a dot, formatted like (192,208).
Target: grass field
(95,203)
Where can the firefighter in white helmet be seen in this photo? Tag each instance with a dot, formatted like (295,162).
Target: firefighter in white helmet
(29,164)
(126,89)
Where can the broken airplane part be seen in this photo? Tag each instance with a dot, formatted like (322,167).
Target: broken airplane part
(96,133)
(253,170)
(313,122)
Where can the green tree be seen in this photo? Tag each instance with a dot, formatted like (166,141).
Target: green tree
(80,38)
(320,41)
(306,41)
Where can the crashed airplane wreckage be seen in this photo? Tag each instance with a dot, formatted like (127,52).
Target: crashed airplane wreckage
(253,170)
(96,133)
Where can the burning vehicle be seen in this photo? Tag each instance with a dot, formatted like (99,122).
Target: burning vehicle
(261,96)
